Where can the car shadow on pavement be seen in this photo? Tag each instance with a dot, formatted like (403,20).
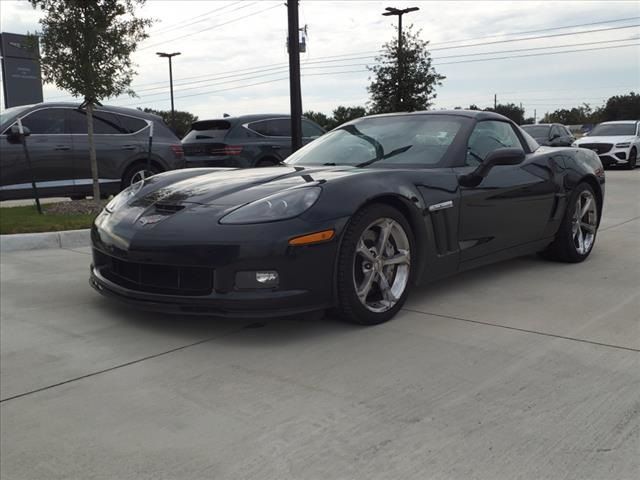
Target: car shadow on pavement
(272,331)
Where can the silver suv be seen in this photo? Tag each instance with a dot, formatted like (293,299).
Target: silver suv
(59,150)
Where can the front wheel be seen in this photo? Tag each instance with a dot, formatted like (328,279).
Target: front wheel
(577,233)
(633,159)
(374,265)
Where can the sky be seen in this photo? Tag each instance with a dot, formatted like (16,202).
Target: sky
(234,59)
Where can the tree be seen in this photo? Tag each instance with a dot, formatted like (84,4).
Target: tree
(344,114)
(86,50)
(573,116)
(620,107)
(318,117)
(509,110)
(183,119)
(419,78)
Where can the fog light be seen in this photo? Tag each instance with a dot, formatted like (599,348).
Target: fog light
(267,278)
(257,279)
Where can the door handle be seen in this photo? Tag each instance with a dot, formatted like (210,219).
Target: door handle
(275,147)
(62,147)
(128,147)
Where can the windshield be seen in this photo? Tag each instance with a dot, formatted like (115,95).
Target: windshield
(537,131)
(10,114)
(398,140)
(613,130)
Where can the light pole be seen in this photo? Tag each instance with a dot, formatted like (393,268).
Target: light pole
(173,112)
(395,11)
(295,93)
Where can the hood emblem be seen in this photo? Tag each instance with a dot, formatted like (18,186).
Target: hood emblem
(151,219)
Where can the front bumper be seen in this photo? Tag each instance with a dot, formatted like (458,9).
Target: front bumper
(208,271)
(613,156)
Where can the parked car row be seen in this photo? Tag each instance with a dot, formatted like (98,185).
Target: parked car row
(616,143)
(59,148)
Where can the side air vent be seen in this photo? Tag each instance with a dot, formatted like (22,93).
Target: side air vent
(168,208)
(442,228)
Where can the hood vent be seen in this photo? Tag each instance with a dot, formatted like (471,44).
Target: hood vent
(168,208)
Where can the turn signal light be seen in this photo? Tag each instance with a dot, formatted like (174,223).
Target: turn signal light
(318,237)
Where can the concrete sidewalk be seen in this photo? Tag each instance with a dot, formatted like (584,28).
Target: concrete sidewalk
(523,370)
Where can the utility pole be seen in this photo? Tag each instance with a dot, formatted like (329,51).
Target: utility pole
(495,101)
(295,93)
(535,116)
(394,11)
(173,112)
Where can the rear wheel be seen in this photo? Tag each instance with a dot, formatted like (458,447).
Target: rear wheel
(138,172)
(374,265)
(633,159)
(577,233)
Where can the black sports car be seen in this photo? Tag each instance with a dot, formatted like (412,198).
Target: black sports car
(350,221)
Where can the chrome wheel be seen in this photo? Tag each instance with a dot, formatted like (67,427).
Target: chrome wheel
(584,222)
(140,175)
(382,265)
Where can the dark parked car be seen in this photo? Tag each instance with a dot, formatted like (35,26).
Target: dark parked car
(244,141)
(59,150)
(350,221)
(550,134)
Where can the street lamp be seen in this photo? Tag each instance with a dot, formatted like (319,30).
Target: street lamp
(395,11)
(173,112)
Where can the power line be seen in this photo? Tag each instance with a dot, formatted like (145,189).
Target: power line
(278,70)
(180,24)
(360,71)
(211,28)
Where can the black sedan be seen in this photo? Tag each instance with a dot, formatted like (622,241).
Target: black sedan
(550,134)
(350,222)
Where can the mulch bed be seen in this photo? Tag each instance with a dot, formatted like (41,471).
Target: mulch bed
(75,207)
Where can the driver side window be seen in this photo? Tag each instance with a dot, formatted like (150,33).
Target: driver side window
(488,136)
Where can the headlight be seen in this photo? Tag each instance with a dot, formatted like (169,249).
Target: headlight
(623,145)
(279,206)
(123,197)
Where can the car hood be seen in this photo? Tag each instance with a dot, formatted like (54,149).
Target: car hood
(237,187)
(610,139)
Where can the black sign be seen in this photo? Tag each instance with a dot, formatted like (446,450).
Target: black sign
(21,78)
(19,46)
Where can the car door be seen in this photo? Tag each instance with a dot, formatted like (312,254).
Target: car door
(49,147)
(513,203)
(114,147)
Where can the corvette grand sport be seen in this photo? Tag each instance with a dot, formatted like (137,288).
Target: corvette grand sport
(349,222)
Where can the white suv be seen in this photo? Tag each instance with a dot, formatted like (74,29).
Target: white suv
(616,143)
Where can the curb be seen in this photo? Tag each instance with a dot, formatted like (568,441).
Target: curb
(37,241)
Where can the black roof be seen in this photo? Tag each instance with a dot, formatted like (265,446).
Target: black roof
(246,118)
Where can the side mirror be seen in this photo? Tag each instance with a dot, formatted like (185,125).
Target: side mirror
(14,135)
(500,156)
(554,136)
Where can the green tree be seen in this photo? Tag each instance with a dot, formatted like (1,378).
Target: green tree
(344,114)
(183,119)
(620,107)
(573,116)
(413,78)
(318,117)
(86,50)
(509,110)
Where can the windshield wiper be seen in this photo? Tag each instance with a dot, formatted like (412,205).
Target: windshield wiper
(392,153)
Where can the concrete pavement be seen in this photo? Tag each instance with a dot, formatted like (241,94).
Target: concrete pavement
(522,370)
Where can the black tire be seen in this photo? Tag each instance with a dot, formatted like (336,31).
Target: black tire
(633,159)
(78,197)
(134,172)
(563,248)
(350,308)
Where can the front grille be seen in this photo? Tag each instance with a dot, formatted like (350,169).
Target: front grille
(153,278)
(599,148)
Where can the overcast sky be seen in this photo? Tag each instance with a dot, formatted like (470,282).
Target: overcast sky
(227,47)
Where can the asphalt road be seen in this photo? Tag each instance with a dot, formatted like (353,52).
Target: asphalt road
(522,370)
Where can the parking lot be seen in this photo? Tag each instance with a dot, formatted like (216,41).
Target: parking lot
(526,369)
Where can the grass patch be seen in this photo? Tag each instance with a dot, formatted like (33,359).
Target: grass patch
(28,220)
